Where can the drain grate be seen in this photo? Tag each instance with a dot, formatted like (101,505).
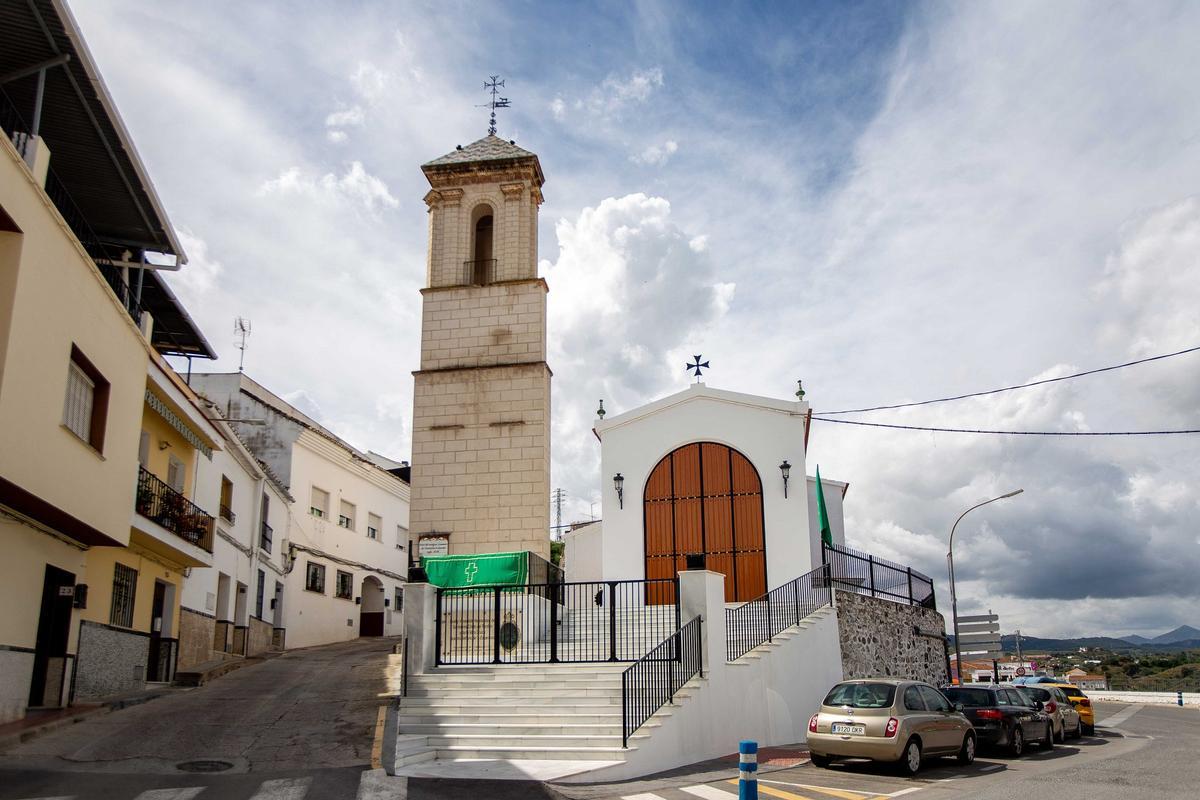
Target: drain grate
(203,766)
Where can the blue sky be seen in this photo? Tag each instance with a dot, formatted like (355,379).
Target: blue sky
(892,201)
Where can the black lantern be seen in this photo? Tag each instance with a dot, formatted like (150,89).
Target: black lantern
(786,470)
(619,485)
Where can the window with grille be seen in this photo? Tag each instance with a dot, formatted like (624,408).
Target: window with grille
(262,588)
(314,579)
(346,517)
(345,585)
(374,523)
(123,593)
(399,599)
(320,503)
(86,403)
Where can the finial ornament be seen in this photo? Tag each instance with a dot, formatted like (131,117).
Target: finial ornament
(695,368)
(494,86)
(600,412)
(800,391)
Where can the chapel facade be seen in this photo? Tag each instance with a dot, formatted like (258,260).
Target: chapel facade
(481,405)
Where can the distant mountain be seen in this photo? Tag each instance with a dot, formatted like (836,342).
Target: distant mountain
(1181,634)
(1135,639)
(1031,644)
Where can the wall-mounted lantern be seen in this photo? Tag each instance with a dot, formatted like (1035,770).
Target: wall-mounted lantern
(785,469)
(619,485)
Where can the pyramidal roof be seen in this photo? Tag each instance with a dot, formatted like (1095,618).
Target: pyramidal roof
(489,148)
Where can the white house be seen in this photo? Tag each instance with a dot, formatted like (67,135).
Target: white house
(707,471)
(346,548)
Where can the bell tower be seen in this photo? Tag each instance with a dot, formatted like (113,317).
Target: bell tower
(481,405)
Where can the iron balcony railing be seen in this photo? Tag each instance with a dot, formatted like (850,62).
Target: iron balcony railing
(864,573)
(554,622)
(654,679)
(227,514)
(158,502)
(758,621)
(13,125)
(479,273)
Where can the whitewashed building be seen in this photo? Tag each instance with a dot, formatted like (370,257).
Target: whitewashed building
(344,541)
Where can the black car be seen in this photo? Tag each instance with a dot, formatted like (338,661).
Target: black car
(1003,717)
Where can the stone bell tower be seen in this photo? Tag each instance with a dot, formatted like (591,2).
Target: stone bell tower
(481,405)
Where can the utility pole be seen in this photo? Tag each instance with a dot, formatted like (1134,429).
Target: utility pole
(1020,660)
(559,496)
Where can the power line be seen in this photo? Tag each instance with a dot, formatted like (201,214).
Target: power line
(1002,433)
(1018,386)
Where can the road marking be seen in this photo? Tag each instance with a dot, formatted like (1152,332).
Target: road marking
(644,796)
(375,784)
(377,746)
(991,767)
(904,792)
(283,789)
(846,794)
(707,792)
(179,793)
(1118,718)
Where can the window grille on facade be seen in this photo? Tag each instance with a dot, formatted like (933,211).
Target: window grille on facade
(81,394)
(346,517)
(314,580)
(399,599)
(124,590)
(345,585)
(262,589)
(374,523)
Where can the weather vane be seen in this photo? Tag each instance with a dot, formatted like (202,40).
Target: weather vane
(494,86)
(699,365)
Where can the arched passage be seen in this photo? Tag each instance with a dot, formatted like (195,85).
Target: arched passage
(483,265)
(707,498)
(370,615)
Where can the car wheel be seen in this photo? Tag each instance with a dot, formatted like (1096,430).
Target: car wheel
(910,761)
(819,760)
(1089,730)
(1078,730)
(966,753)
(1048,742)
(1062,734)
(1017,744)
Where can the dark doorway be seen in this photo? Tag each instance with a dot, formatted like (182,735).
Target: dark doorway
(54,629)
(156,669)
(370,619)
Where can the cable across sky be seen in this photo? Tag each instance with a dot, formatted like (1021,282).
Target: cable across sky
(1011,388)
(1002,433)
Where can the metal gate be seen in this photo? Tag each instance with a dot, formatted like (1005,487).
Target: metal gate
(555,622)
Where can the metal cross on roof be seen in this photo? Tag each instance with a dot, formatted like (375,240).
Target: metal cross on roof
(494,85)
(697,367)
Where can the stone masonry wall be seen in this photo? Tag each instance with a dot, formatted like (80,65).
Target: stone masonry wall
(196,632)
(482,326)
(878,639)
(111,661)
(260,637)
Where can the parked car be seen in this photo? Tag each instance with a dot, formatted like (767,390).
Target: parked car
(1065,719)
(885,719)
(1087,715)
(1003,717)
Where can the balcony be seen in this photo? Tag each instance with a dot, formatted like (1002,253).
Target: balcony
(479,273)
(227,514)
(159,503)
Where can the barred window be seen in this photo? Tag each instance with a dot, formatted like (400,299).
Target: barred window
(86,403)
(314,580)
(346,517)
(262,589)
(345,585)
(124,590)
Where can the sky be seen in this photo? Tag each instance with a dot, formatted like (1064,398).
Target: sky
(890,201)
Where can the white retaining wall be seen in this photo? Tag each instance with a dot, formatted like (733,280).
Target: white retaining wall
(1158,698)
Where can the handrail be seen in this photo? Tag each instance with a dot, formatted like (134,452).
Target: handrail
(157,501)
(760,620)
(867,574)
(654,679)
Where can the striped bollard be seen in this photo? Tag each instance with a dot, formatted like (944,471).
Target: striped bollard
(1180,697)
(747,770)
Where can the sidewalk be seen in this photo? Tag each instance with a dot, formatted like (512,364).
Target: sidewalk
(38,723)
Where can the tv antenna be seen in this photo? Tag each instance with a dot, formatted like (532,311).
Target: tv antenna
(494,86)
(241,329)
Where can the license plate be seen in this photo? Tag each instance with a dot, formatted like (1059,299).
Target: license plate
(857,730)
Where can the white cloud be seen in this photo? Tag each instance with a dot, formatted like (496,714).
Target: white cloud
(636,88)
(337,137)
(356,185)
(345,117)
(196,279)
(369,81)
(656,155)
(558,108)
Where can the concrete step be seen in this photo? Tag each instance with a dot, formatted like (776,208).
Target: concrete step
(530,678)
(457,753)
(469,705)
(523,741)
(510,732)
(485,692)
(407,719)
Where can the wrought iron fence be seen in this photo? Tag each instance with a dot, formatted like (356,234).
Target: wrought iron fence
(760,620)
(479,273)
(866,574)
(157,501)
(654,679)
(12,124)
(554,622)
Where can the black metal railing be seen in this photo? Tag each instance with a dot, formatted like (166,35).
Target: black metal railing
(758,621)
(864,573)
(227,514)
(157,501)
(164,653)
(541,571)
(655,678)
(555,622)
(13,125)
(479,273)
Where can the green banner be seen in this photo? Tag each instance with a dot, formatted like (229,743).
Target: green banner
(484,569)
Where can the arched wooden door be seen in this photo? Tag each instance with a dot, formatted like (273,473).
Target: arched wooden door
(707,498)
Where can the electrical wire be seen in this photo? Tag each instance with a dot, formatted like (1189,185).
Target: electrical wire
(1018,386)
(1001,433)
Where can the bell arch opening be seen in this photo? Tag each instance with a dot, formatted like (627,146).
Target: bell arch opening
(482,266)
(706,498)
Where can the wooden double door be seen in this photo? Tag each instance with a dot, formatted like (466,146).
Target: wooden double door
(707,498)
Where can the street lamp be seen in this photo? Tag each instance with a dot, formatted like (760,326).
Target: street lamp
(950,562)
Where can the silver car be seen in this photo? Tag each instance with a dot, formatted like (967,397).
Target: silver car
(1064,719)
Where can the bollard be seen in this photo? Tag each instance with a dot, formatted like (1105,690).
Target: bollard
(747,770)
(1179,698)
